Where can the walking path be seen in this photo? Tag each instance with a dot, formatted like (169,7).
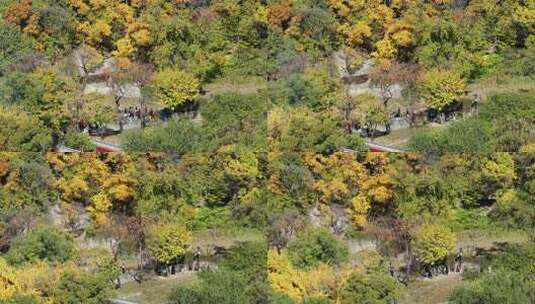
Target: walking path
(106,147)
(119,301)
(375,147)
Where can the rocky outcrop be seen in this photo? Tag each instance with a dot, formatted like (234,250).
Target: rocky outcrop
(128,90)
(358,80)
(79,219)
(334,218)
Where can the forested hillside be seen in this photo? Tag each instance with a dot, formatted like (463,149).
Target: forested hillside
(266,151)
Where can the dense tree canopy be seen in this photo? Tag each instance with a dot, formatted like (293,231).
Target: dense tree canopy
(245,136)
(22,133)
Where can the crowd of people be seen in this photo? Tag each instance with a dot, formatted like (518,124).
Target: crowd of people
(434,269)
(132,114)
(190,261)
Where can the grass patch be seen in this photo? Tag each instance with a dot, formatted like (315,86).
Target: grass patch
(486,238)
(497,85)
(469,219)
(225,237)
(236,84)
(154,290)
(433,291)
(400,138)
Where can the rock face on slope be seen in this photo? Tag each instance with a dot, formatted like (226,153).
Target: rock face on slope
(77,221)
(98,78)
(358,80)
(128,90)
(333,217)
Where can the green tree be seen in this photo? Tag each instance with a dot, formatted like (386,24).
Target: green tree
(220,286)
(516,258)
(423,196)
(235,119)
(250,260)
(512,116)
(79,141)
(469,135)
(301,130)
(370,112)
(178,136)
(376,288)
(295,181)
(75,286)
(314,247)
(514,209)
(44,243)
(498,287)
(27,183)
(185,295)
(510,280)
(317,301)
(22,133)
(94,108)
(43,93)
(14,46)
(315,88)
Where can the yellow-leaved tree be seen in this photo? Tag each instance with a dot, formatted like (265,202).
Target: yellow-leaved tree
(439,88)
(318,282)
(383,25)
(284,277)
(375,189)
(98,183)
(10,283)
(98,209)
(36,280)
(338,176)
(358,210)
(117,23)
(173,87)
(499,170)
(432,243)
(168,241)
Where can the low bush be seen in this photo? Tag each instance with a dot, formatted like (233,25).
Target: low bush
(44,243)
(315,247)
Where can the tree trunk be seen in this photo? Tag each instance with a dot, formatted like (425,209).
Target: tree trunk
(373,131)
(409,257)
(140,257)
(349,128)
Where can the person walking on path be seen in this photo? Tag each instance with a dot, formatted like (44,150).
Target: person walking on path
(459,261)
(197,259)
(475,103)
